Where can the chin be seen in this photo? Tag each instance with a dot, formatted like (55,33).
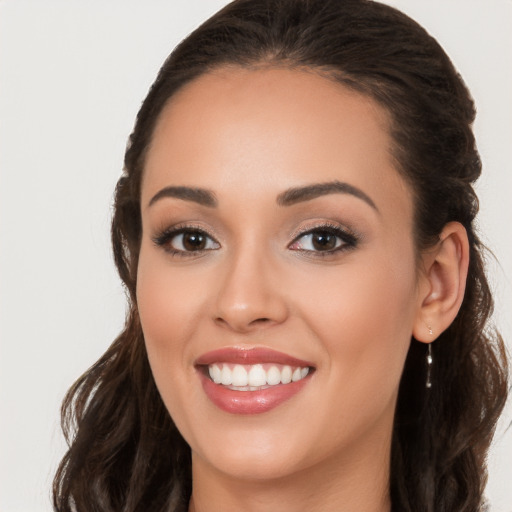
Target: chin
(254,462)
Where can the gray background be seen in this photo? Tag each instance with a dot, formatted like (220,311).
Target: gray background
(72,76)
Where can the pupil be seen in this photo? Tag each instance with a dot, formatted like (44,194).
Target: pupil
(194,241)
(324,241)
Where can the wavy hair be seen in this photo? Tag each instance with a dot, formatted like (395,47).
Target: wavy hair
(125,454)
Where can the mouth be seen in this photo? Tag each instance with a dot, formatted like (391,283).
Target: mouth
(251,380)
(254,377)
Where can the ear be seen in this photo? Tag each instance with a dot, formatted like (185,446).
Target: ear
(442,283)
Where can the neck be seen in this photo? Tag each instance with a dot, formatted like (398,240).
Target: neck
(358,482)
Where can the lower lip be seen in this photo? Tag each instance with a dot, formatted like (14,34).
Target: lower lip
(250,402)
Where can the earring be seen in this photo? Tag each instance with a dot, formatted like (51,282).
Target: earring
(430,360)
(430,331)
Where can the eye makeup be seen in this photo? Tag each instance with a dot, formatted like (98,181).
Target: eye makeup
(324,239)
(320,240)
(185,240)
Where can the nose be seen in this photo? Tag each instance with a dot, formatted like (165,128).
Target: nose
(251,296)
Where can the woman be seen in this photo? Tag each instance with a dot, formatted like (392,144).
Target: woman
(308,305)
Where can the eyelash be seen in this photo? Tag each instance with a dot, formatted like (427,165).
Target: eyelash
(348,240)
(165,238)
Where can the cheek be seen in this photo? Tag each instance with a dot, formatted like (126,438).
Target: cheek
(169,313)
(364,319)
(167,299)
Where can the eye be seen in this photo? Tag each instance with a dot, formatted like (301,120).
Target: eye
(186,240)
(326,239)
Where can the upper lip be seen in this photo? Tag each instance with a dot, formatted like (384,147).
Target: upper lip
(248,356)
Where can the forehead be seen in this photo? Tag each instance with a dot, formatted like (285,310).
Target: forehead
(272,100)
(265,129)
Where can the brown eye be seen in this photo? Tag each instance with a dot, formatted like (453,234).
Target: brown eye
(184,241)
(326,240)
(323,241)
(194,241)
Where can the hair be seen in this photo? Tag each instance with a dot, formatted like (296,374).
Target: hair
(125,452)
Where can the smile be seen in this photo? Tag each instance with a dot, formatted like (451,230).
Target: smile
(255,377)
(251,381)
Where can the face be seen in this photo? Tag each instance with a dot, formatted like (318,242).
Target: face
(277,285)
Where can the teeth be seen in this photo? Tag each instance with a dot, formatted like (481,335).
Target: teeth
(253,377)
(257,376)
(226,377)
(240,377)
(215,374)
(273,376)
(286,375)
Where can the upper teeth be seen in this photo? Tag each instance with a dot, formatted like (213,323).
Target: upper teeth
(256,375)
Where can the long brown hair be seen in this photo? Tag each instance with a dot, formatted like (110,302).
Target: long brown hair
(124,451)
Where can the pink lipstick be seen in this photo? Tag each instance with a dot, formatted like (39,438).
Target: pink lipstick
(251,381)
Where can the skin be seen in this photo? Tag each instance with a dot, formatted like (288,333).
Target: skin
(247,136)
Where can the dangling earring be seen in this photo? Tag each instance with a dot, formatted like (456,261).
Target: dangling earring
(429,366)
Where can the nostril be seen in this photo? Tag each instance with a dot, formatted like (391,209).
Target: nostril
(243,324)
(221,320)
(260,321)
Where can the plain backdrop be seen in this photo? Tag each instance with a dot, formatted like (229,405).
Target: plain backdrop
(72,77)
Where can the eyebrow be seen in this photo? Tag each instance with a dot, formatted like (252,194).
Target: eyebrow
(289,197)
(299,194)
(201,196)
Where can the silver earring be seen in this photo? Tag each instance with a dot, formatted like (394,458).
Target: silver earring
(430,331)
(429,366)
